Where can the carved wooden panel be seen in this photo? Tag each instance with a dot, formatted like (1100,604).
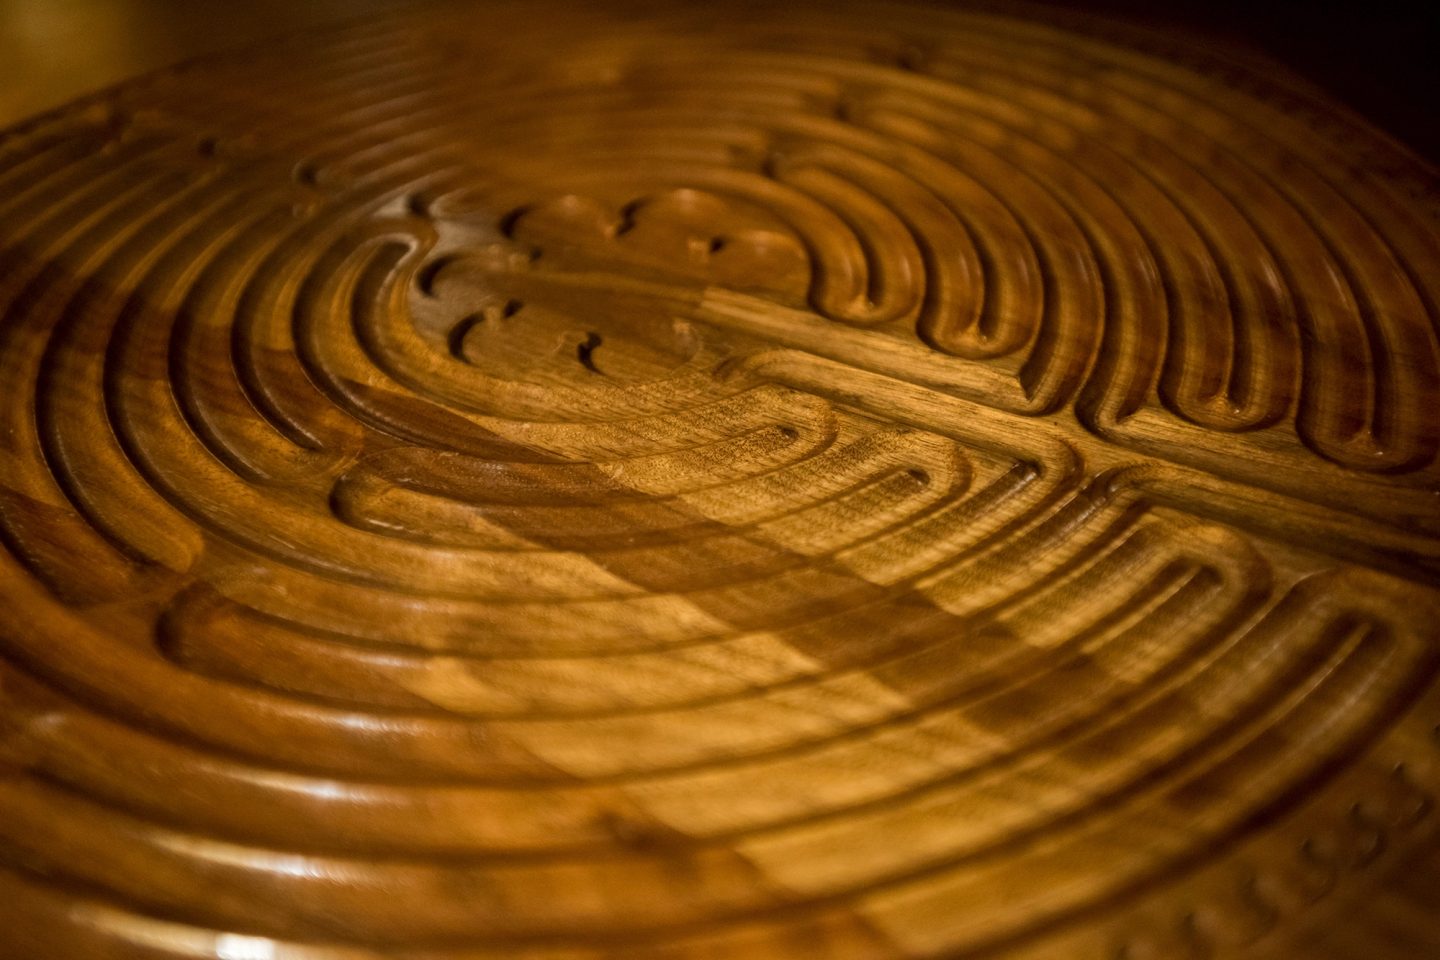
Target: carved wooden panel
(701,482)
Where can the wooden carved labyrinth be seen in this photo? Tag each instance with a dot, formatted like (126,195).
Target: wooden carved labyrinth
(702,482)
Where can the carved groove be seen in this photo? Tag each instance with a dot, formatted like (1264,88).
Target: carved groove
(504,484)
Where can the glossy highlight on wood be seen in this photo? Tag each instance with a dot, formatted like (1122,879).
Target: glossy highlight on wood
(681,482)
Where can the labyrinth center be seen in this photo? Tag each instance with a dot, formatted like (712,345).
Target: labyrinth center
(559,483)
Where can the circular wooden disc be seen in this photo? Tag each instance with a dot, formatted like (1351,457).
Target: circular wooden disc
(705,482)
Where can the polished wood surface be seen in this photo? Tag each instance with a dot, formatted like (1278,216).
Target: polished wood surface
(668,481)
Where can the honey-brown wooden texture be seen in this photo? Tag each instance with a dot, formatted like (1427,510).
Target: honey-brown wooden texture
(684,482)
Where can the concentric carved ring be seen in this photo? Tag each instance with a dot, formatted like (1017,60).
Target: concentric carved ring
(871,482)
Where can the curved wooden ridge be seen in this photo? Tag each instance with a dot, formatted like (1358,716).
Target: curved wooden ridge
(695,481)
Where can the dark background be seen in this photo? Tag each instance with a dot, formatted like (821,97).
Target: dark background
(1381,59)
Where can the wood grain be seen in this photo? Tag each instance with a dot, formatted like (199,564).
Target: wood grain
(676,482)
